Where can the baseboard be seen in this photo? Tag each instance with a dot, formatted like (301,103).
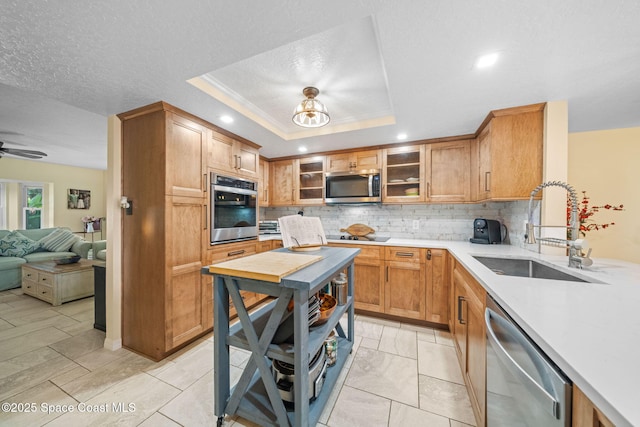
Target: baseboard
(111,344)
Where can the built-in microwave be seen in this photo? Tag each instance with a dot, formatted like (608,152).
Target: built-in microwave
(353,187)
(234,211)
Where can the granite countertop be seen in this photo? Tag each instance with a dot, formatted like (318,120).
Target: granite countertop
(590,330)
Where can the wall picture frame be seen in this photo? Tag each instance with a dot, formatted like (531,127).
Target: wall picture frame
(78,199)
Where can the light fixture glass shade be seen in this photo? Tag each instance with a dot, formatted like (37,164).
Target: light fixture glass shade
(311,113)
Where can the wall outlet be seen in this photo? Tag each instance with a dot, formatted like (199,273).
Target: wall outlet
(416,224)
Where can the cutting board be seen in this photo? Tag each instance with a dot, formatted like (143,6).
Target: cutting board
(267,266)
(358,230)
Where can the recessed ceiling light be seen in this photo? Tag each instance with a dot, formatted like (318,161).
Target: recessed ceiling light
(402,136)
(487,60)
(302,149)
(226,119)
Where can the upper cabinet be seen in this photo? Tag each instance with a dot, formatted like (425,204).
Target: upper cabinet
(358,160)
(185,145)
(310,180)
(507,155)
(229,155)
(281,183)
(447,171)
(403,174)
(263,184)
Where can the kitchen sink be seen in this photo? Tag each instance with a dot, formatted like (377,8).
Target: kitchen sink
(523,267)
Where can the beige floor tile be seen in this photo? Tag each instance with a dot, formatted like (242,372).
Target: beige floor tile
(101,379)
(25,361)
(403,415)
(46,403)
(426,336)
(356,408)
(80,344)
(146,393)
(189,367)
(370,343)
(444,337)
(8,297)
(69,376)
(30,341)
(58,322)
(75,307)
(194,406)
(78,327)
(399,341)
(158,420)
(367,329)
(439,361)
(378,321)
(455,423)
(18,319)
(386,375)
(445,398)
(100,357)
(5,325)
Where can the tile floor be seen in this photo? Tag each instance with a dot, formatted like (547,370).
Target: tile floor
(52,359)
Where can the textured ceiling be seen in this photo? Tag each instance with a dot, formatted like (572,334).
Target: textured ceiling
(66,65)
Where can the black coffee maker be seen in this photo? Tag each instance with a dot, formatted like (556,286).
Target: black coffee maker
(486,231)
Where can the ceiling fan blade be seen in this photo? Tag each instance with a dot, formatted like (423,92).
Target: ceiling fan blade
(20,154)
(24,153)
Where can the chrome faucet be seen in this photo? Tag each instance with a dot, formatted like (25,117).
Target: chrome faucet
(575,245)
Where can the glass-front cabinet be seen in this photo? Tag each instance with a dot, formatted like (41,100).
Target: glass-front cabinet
(310,180)
(403,175)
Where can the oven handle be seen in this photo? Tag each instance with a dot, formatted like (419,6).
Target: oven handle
(536,390)
(234,190)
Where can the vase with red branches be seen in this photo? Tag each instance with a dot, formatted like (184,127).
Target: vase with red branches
(586,212)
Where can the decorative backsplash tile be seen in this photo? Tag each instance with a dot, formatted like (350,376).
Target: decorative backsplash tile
(436,221)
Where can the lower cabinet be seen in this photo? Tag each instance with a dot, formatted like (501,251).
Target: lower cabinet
(404,288)
(469,337)
(437,285)
(585,413)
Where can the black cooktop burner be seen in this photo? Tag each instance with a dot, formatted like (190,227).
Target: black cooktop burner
(361,238)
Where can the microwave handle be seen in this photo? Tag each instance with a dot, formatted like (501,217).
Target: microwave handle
(370,185)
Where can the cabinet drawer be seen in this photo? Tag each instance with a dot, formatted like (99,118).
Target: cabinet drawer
(29,287)
(231,251)
(45,293)
(404,254)
(366,251)
(28,274)
(45,279)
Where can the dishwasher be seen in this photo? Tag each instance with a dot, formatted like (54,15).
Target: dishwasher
(524,387)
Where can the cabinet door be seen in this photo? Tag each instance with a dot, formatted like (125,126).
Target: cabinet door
(483,180)
(248,160)
(184,305)
(369,286)
(185,148)
(220,152)
(310,180)
(461,319)
(403,175)
(263,184)
(476,358)
(447,172)
(341,162)
(264,246)
(404,292)
(437,286)
(281,176)
(370,159)
(585,413)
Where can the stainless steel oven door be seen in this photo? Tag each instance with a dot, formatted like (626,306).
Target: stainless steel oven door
(233,215)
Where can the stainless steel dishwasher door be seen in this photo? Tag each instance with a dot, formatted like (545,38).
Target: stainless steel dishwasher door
(524,388)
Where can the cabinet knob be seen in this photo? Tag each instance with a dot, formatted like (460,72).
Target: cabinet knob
(429,254)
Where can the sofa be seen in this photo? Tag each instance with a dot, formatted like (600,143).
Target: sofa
(100,250)
(18,247)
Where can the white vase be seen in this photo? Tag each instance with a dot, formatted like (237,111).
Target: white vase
(89,227)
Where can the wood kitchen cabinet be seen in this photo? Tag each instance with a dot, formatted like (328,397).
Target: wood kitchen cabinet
(310,180)
(507,154)
(281,176)
(229,155)
(263,184)
(404,289)
(585,413)
(163,174)
(403,172)
(469,337)
(352,161)
(437,286)
(447,171)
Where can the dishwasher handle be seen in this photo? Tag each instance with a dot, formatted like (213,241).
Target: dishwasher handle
(537,391)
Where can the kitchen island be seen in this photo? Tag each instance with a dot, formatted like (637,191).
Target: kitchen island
(256,396)
(590,330)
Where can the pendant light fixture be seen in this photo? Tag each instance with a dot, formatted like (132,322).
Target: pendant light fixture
(311,113)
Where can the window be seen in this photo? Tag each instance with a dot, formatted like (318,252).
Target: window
(31,206)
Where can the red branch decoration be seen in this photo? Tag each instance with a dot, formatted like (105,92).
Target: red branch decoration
(585,212)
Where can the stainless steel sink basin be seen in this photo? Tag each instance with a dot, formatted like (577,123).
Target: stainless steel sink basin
(522,267)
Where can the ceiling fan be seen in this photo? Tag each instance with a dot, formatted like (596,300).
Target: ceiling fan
(19,152)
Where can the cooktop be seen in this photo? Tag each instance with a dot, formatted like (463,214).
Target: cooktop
(369,238)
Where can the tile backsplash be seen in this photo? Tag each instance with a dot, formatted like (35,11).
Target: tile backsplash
(435,221)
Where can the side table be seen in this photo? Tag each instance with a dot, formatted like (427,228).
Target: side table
(57,284)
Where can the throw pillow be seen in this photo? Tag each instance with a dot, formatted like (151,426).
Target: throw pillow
(59,240)
(16,244)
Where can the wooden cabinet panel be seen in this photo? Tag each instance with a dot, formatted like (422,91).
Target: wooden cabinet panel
(358,160)
(248,161)
(186,145)
(437,286)
(585,413)
(447,171)
(309,173)
(403,174)
(263,184)
(404,289)
(282,188)
(226,154)
(264,246)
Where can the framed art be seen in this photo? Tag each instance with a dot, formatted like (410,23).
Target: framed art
(78,199)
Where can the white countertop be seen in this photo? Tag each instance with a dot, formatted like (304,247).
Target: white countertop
(590,330)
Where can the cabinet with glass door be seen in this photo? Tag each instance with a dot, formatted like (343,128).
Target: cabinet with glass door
(310,180)
(403,175)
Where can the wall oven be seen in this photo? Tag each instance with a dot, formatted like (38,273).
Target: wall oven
(234,211)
